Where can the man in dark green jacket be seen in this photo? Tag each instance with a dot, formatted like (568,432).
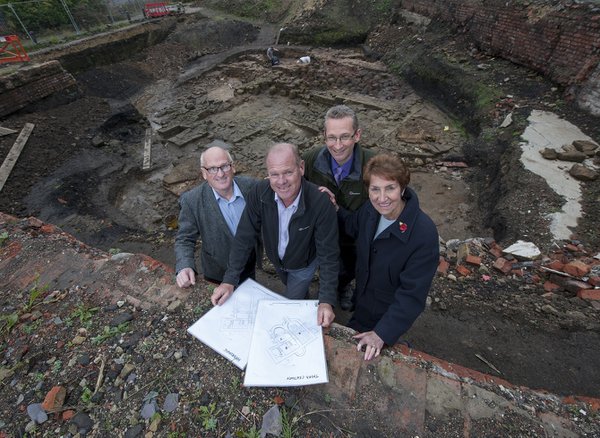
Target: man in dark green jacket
(339,166)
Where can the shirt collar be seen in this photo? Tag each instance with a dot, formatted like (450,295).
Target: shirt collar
(293,204)
(237,193)
(345,167)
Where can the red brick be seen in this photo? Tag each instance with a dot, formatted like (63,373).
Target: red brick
(551,287)
(54,399)
(48,228)
(473,260)
(503,265)
(594,281)
(589,294)
(463,270)
(67,415)
(576,268)
(557,265)
(495,250)
(443,266)
(571,247)
(518,272)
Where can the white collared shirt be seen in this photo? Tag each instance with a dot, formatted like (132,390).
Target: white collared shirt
(285,215)
(231,209)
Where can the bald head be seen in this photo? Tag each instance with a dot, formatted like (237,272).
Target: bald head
(285,169)
(283,149)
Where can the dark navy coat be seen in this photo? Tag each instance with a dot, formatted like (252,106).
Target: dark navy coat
(394,271)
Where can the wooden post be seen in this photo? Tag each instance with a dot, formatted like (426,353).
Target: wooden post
(13,155)
(147,149)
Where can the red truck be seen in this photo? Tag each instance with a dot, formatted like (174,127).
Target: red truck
(160,9)
(155,10)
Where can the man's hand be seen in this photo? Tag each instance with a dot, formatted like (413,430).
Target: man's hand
(373,344)
(331,196)
(186,277)
(325,315)
(221,293)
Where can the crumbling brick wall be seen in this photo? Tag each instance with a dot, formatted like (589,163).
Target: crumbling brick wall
(560,39)
(32,84)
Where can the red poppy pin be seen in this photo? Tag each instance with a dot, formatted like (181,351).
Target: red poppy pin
(402,226)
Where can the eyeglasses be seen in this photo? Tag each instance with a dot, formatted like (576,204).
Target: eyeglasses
(214,170)
(344,138)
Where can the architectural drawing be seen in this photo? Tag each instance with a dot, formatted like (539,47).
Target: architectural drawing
(227,329)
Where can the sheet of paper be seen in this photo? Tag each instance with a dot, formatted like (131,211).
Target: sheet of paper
(227,329)
(287,345)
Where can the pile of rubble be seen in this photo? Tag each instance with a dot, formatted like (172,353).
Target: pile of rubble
(578,152)
(570,271)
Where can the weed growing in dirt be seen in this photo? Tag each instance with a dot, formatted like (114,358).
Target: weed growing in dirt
(208,416)
(3,238)
(235,383)
(86,395)
(34,294)
(31,328)
(288,424)
(84,314)
(109,332)
(7,322)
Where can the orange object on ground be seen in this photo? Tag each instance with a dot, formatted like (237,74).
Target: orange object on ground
(11,50)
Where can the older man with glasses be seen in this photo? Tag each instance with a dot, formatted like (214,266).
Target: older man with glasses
(338,166)
(212,212)
(299,228)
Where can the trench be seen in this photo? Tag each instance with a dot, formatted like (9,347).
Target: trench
(193,93)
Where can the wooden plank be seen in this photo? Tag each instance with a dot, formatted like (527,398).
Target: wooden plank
(6,131)
(147,149)
(13,155)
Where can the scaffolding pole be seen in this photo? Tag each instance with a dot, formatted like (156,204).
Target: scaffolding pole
(10,6)
(77,31)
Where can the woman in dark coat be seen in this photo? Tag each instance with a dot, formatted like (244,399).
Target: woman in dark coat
(397,255)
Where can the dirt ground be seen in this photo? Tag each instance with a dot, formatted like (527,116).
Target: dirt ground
(81,170)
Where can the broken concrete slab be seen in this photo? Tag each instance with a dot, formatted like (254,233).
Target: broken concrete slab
(547,130)
(523,250)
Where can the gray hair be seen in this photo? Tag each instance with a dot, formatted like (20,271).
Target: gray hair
(229,157)
(341,112)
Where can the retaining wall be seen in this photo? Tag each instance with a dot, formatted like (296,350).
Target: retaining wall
(34,83)
(558,39)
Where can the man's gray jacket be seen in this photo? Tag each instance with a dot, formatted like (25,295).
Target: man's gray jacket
(313,233)
(200,216)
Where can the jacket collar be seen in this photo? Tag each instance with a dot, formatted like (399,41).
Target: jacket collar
(323,162)
(406,221)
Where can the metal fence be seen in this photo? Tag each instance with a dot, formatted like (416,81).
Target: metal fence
(22,18)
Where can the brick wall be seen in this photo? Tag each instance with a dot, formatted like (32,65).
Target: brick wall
(32,84)
(559,39)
